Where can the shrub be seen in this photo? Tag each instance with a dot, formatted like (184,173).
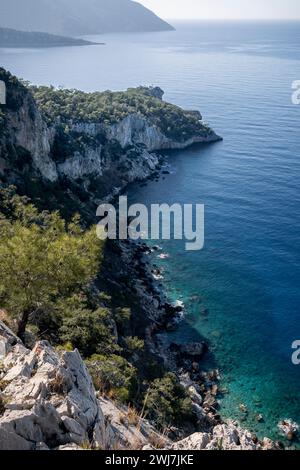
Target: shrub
(167,402)
(113,376)
(134,344)
(91,332)
(63,106)
(42,258)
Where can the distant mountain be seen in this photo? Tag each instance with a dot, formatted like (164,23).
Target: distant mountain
(79,17)
(23,39)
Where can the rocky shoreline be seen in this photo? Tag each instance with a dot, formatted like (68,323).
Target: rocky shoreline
(184,360)
(25,424)
(48,402)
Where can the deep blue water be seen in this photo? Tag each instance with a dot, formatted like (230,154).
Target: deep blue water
(239,75)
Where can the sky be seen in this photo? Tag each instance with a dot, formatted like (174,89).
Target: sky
(225,9)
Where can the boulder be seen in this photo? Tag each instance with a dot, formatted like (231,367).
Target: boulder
(192,351)
(50,400)
(197,441)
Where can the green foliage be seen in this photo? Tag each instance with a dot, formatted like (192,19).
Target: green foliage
(67,142)
(42,258)
(122,316)
(113,376)
(134,344)
(65,347)
(16,91)
(72,106)
(91,332)
(167,402)
(2,120)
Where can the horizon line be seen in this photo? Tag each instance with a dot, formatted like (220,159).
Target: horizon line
(232,19)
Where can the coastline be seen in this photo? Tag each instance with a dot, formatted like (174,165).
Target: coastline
(160,316)
(127,271)
(163,316)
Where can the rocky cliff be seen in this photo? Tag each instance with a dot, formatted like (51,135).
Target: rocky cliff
(89,151)
(48,402)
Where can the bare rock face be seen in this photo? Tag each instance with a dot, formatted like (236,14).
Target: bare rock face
(227,436)
(127,430)
(29,131)
(231,437)
(47,399)
(197,441)
(135,129)
(7,340)
(100,157)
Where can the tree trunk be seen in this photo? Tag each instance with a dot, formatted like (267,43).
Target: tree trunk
(22,325)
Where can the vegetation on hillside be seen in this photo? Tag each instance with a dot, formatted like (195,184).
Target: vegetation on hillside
(42,259)
(72,106)
(54,270)
(49,290)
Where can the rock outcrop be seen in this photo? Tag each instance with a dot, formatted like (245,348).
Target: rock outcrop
(48,402)
(135,129)
(224,437)
(48,399)
(98,157)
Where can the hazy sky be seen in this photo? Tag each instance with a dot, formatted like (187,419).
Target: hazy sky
(225,9)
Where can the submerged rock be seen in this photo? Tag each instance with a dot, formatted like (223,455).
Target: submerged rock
(289,429)
(190,350)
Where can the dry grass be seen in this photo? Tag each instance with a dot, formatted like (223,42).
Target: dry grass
(3,385)
(4,400)
(133,416)
(57,385)
(157,441)
(86,446)
(6,319)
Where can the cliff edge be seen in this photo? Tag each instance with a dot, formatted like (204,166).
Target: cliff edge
(48,402)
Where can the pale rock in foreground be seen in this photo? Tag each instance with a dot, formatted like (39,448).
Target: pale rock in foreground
(48,401)
(224,437)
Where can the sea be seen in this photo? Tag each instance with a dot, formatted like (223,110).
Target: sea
(241,291)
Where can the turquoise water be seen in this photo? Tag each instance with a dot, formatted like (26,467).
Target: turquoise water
(247,276)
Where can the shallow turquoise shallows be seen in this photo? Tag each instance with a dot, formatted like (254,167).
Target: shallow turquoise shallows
(242,291)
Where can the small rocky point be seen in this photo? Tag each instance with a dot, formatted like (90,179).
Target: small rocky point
(48,402)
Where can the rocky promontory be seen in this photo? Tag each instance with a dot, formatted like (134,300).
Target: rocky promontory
(92,144)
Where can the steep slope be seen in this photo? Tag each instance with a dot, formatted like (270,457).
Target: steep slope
(22,39)
(94,144)
(79,17)
(48,402)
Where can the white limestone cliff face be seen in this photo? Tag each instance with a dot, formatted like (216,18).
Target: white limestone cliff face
(135,129)
(48,399)
(82,165)
(28,130)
